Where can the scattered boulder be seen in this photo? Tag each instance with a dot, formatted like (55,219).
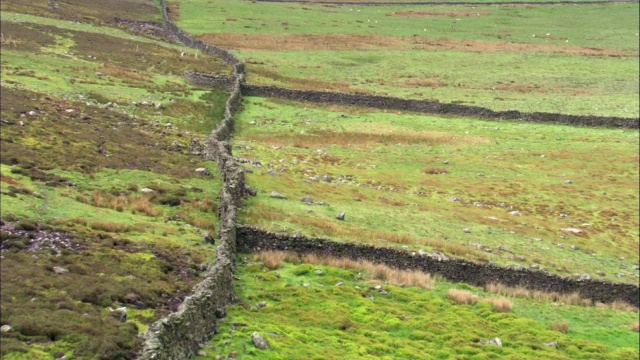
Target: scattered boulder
(341,216)
(552,344)
(319,272)
(584,277)
(146,191)
(515,213)
(273,173)
(261,305)
(260,342)
(307,200)
(572,230)
(208,238)
(119,313)
(60,270)
(277,195)
(203,171)
(466,231)
(601,273)
(340,284)
(568,182)
(495,341)
(5,328)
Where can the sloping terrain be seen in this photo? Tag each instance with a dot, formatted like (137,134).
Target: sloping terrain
(109,206)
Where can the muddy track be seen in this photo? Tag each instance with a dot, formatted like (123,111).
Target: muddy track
(454,3)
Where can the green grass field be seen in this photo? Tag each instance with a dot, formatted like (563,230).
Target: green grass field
(101,205)
(419,181)
(528,58)
(307,315)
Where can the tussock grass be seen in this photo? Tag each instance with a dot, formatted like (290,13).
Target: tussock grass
(275,260)
(568,299)
(635,326)
(561,326)
(462,297)
(500,304)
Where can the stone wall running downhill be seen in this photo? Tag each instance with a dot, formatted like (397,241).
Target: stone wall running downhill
(182,333)
(252,239)
(434,107)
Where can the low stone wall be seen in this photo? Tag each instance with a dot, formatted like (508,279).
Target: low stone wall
(211,81)
(182,333)
(434,107)
(251,239)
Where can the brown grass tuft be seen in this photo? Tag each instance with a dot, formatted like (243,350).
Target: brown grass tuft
(568,299)
(272,259)
(203,223)
(120,72)
(500,304)
(143,205)
(462,297)
(635,326)
(434,171)
(109,226)
(561,326)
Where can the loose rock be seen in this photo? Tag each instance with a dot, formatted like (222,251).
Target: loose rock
(341,216)
(5,328)
(60,270)
(260,342)
(277,195)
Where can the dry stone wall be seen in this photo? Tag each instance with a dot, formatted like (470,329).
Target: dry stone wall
(182,333)
(434,107)
(252,239)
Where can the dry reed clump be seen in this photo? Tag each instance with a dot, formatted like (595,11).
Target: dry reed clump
(462,297)
(635,327)
(275,259)
(143,205)
(376,271)
(561,326)
(568,299)
(203,223)
(272,259)
(500,304)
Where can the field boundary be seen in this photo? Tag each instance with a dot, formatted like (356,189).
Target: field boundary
(182,333)
(453,3)
(253,239)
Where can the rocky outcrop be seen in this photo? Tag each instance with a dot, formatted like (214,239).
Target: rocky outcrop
(252,239)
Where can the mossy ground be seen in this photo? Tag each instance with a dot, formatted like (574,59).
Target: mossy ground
(308,316)
(91,115)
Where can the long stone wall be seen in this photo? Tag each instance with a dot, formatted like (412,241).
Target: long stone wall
(252,239)
(434,107)
(182,333)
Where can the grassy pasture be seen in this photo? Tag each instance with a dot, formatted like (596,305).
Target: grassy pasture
(528,58)
(309,316)
(418,182)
